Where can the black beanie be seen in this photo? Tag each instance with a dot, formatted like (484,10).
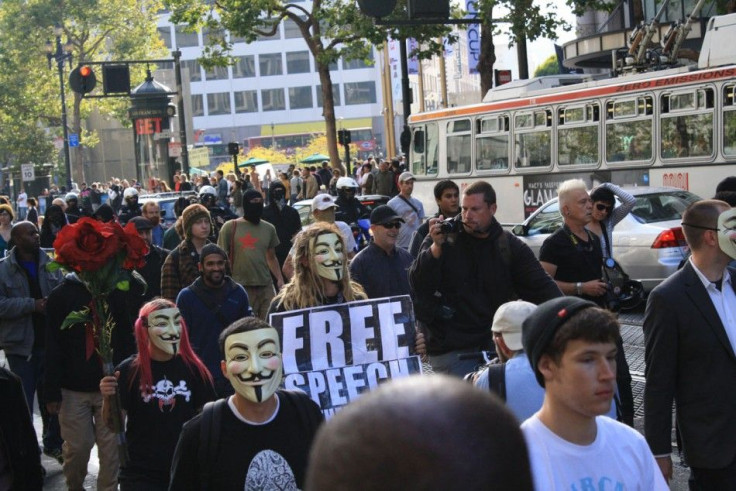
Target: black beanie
(540,327)
(211,248)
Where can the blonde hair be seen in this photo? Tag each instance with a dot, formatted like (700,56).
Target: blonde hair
(305,288)
(567,187)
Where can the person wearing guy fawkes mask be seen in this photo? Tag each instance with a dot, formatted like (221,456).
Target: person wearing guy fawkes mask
(282,216)
(220,215)
(130,208)
(262,435)
(251,246)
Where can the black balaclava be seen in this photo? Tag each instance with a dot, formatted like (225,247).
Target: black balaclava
(277,194)
(252,211)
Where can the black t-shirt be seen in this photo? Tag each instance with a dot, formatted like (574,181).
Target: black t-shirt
(576,260)
(155,420)
(271,455)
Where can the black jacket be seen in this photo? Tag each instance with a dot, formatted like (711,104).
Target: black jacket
(17,436)
(67,364)
(473,278)
(287,223)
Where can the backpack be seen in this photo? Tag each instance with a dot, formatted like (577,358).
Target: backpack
(497,379)
(211,423)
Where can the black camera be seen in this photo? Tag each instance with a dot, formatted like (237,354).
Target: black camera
(450,225)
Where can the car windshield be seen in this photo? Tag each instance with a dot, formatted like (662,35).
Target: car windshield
(661,207)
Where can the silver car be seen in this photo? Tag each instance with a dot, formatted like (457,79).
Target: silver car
(648,243)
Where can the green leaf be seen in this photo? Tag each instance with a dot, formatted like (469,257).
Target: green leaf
(123,285)
(53,267)
(78,317)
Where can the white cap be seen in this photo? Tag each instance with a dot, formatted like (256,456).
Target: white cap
(323,201)
(130,192)
(508,320)
(207,190)
(406,176)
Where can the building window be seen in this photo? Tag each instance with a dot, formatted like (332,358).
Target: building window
(244,67)
(335,95)
(360,93)
(246,101)
(195,74)
(270,64)
(165,34)
(218,103)
(273,100)
(297,62)
(300,97)
(197,105)
(291,29)
(216,73)
(266,27)
(186,39)
(213,37)
(354,64)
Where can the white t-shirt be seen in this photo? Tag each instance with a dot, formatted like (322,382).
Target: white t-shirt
(22,200)
(619,458)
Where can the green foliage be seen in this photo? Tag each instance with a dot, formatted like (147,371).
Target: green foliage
(550,66)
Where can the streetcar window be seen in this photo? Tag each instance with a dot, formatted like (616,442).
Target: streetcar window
(523,121)
(532,149)
(577,135)
(424,150)
(493,125)
(622,109)
(630,140)
(682,101)
(729,95)
(419,141)
(688,135)
(492,152)
(729,133)
(458,126)
(574,115)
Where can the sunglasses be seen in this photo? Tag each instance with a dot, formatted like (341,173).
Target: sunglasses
(601,207)
(391,225)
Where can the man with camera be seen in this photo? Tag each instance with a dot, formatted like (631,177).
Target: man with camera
(468,266)
(574,258)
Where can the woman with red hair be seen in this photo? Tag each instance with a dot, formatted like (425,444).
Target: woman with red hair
(161,387)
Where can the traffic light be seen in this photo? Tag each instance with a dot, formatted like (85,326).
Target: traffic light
(343,137)
(376,8)
(82,79)
(233,148)
(429,9)
(116,79)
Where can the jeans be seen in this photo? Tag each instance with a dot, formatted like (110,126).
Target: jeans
(260,298)
(31,372)
(81,427)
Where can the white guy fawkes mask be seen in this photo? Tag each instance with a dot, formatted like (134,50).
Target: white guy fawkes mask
(253,363)
(164,329)
(727,232)
(328,256)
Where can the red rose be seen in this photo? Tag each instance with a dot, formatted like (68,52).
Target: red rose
(87,245)
(135,248)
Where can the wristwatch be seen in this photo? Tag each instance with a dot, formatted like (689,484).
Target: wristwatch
(579,288)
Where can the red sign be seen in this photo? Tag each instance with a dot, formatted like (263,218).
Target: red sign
(367,145)
(676,180)
(147,126)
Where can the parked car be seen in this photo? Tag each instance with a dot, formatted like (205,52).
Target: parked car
(648,243)
(166,204)
(370,201)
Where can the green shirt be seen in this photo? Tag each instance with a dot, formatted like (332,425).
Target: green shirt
(246,245)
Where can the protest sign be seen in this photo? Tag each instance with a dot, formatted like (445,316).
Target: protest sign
(336,352)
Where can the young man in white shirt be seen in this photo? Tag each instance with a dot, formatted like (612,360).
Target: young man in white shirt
(571,345)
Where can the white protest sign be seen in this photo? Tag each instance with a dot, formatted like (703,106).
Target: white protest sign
(336,352)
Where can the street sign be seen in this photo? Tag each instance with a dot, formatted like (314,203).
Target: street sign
(162,135)
(73,140)
(27,173)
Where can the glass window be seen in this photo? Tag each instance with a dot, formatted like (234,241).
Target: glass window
(492,143)
(458,146)
(246,101)
(577,135)
(336,101)
(244,67)
(273,100)
(291,29)
(546,221)
(629,128)
(267,27)
(355,64)
(197,105)
(165,34)
(195,74)
(218,103)
(186,39)
(216,73)
(687,136)
(211,37)
(297,62)
(300,97)
(360,93)
(270,64)
(425,150)
(532,146)
(729,133)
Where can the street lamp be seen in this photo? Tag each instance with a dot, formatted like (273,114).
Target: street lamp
(60,54)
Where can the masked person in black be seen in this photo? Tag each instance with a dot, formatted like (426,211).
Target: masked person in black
(282,216)
(131,208)
(220,215)
(251,246)
(349,207)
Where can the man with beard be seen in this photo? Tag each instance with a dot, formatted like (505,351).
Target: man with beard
(284,218)
(131,208)
(447,196)
(155,259)
(151,212)
(259,438)
(209,305)
(251,244)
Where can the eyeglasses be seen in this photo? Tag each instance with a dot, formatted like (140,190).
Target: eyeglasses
(601,207)
(396,225)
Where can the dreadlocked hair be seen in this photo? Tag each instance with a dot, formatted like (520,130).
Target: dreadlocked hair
(306,287)
(141,365)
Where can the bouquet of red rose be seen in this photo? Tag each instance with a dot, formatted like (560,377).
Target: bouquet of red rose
(103,256)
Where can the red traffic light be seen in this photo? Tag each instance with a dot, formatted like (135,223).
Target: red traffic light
(85,71)
(82,79)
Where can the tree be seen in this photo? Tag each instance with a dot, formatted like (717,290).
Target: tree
(332,29)
(97,30)
(550,66)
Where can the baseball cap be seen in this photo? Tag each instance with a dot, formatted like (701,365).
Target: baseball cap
(141,223)
(384,214)
(405,176)
(508,320)
(540,327)
(323,201)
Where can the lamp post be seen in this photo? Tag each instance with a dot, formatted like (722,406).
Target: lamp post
(60,54)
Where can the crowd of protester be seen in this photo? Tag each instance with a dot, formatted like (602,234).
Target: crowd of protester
(199,369)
